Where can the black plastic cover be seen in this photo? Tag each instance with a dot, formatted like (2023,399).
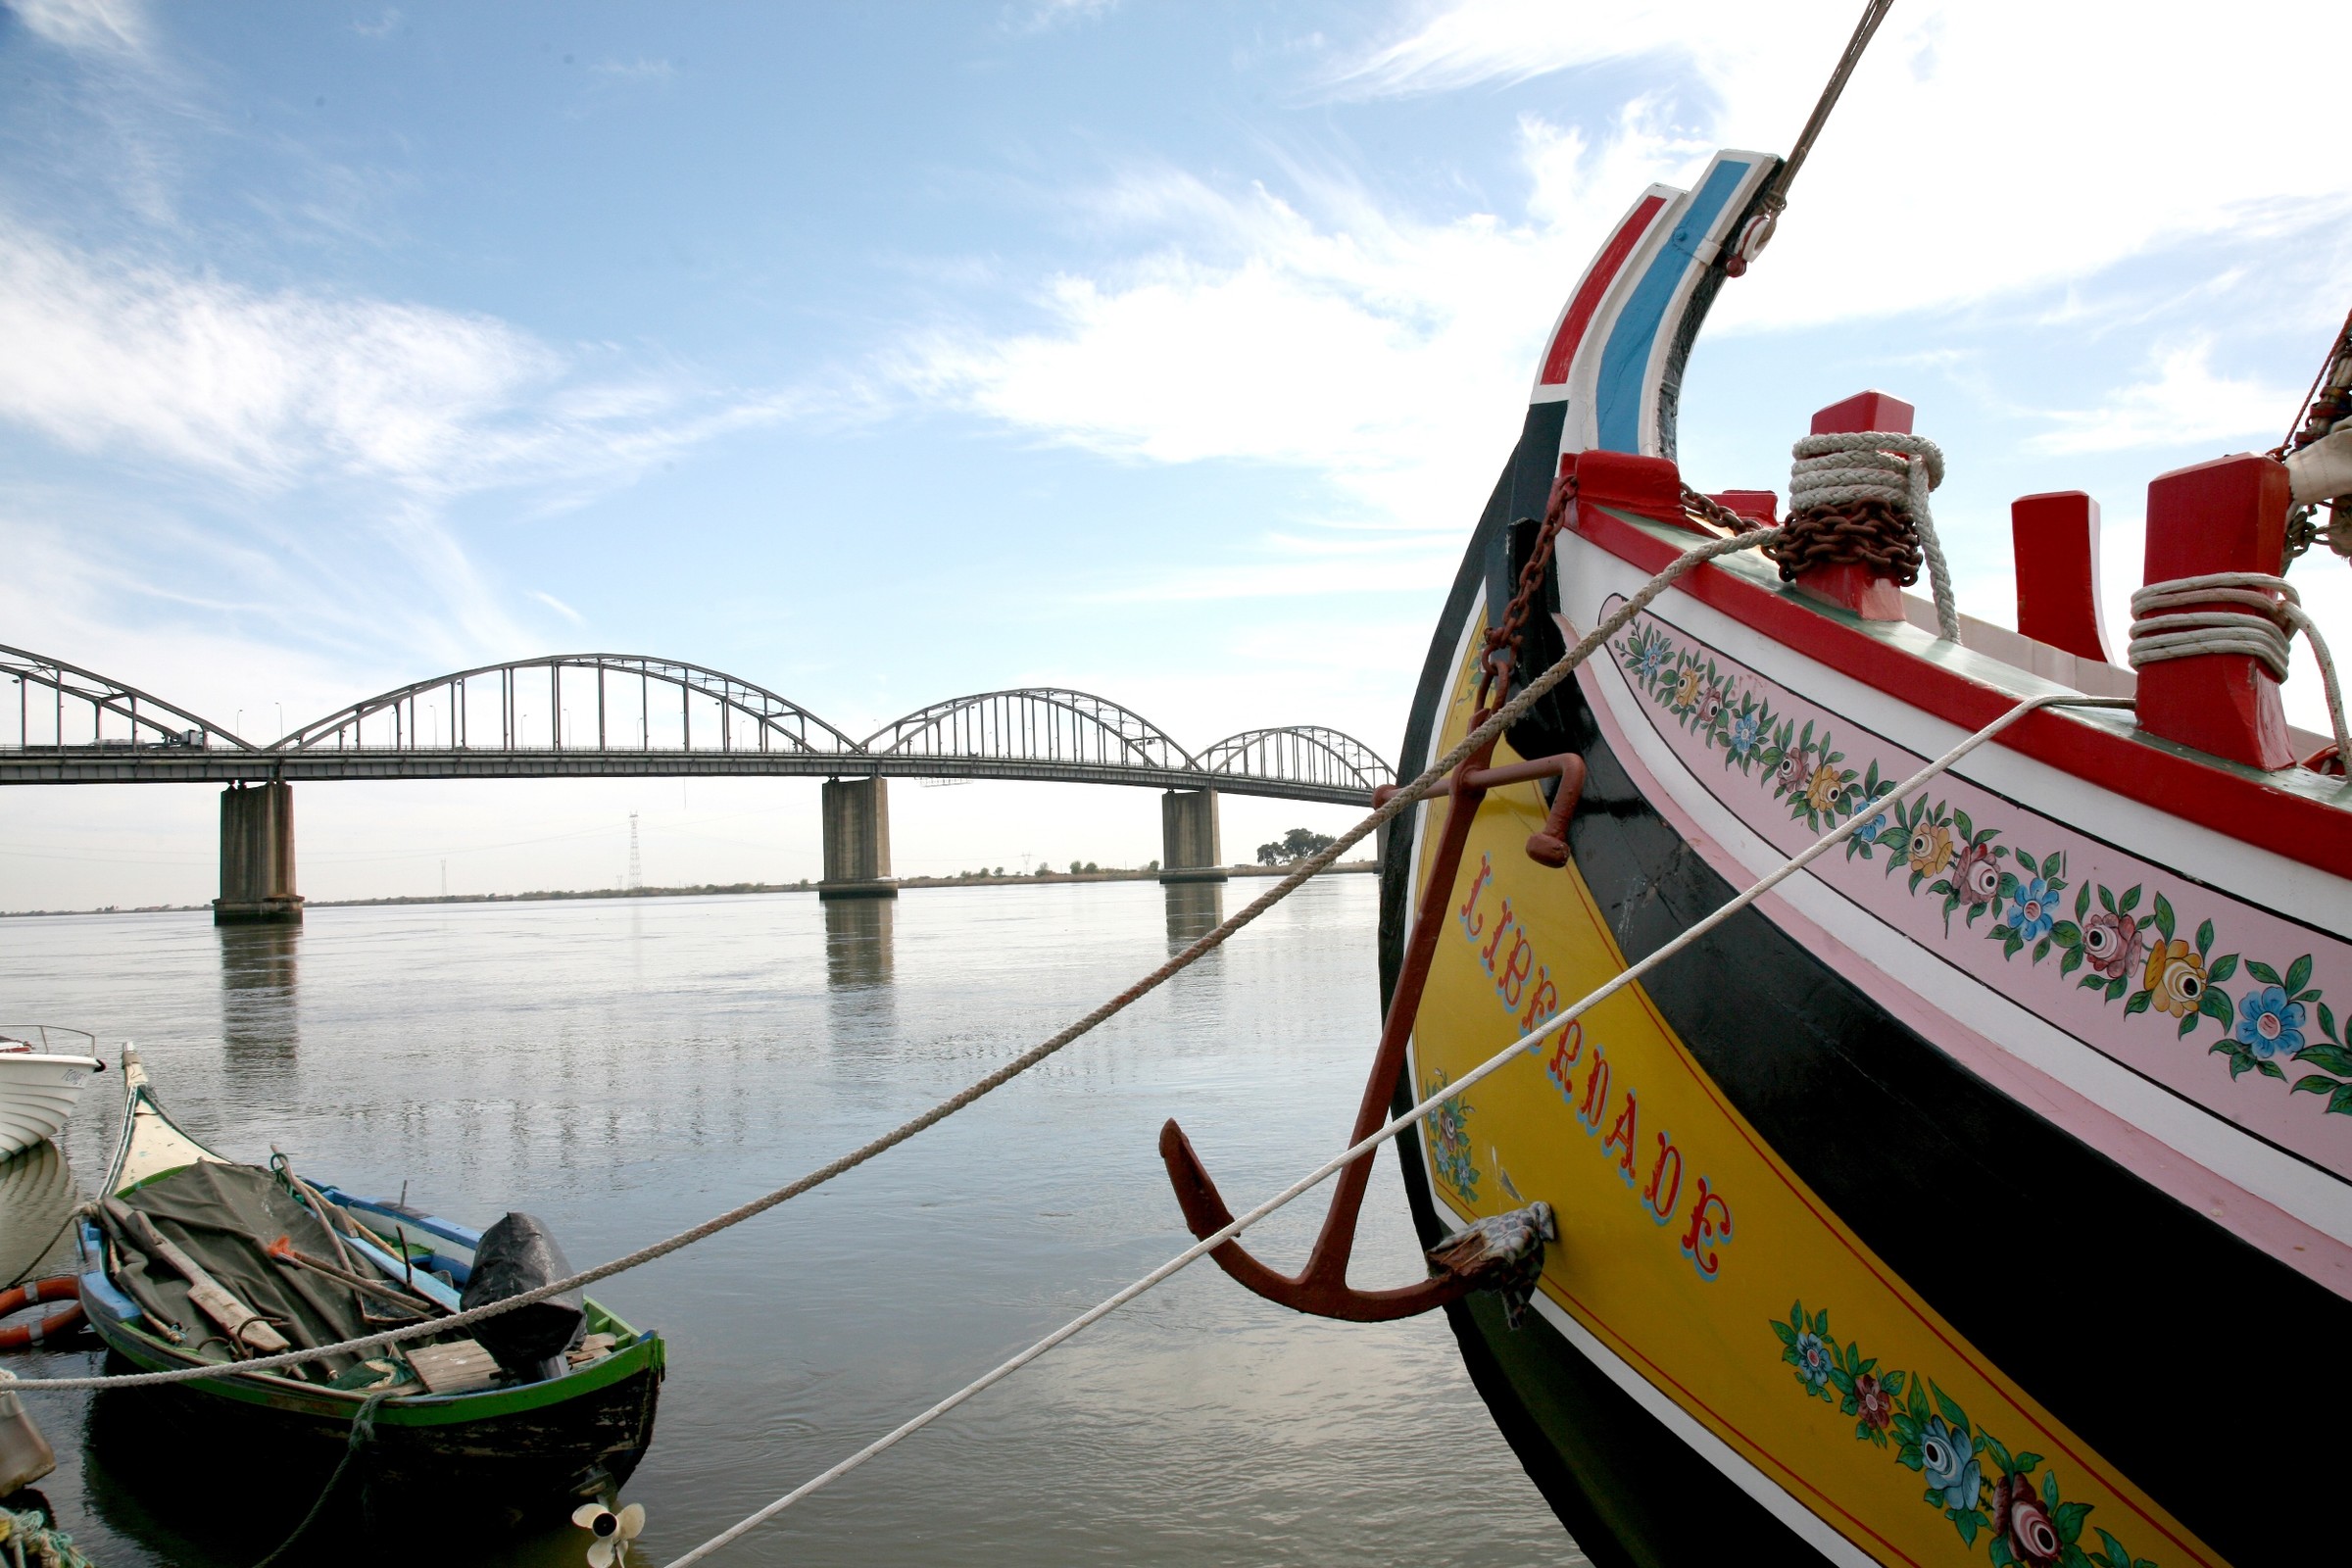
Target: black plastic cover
(519,1254)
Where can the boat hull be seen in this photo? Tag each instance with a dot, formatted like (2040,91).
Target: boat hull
(549,1443)
(1779,1173)
(37,1096)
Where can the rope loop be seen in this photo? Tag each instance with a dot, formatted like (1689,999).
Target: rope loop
(2175,620)
(1860,498)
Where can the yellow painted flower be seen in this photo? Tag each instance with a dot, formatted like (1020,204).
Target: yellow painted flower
(1930,849)
(2174,978)
(1822,789)
(1685,690)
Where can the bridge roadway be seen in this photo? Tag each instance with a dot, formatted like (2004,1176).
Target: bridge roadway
(649,717)
(156,764)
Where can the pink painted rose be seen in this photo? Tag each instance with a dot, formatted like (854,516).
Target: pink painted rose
(2018,1513)
(1978,875)
(2112,944)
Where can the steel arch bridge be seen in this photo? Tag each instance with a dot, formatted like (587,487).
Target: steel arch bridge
(632,715)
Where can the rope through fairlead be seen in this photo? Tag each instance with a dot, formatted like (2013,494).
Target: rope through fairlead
(1396,1124)
(1431,779)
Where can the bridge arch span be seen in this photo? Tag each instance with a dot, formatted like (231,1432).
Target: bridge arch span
(1042,725)
(584,704)
(1298,753)
(146,720)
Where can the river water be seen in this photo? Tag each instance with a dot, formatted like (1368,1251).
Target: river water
(626,1068)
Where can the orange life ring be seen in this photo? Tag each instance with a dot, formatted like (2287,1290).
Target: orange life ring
(27,1335)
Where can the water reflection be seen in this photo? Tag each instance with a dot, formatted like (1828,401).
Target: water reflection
(258,1019)
(36,1195)
(1194,909)
(857,942)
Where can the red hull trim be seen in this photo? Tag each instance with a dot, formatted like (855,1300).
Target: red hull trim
(2300,829)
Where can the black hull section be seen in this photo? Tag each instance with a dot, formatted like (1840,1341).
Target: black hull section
(530,1466)
(2117,1307)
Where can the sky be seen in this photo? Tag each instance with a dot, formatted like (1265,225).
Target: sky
(880,353)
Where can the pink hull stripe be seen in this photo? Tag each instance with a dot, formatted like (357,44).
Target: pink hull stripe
(2261,1223)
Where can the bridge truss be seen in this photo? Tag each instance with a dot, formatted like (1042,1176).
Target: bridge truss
(627,714)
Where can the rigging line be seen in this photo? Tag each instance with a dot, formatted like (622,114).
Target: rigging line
(1348,1156)
(1872,14)
(1432,780)
(2336,351)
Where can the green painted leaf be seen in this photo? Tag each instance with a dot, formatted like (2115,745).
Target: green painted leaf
(2068,1517)
(2073,961)
(2115,986)
(2164,916)
(2204,939)
(2066,934)
(1892,1383)
(1950,1412)
(1960,823)
(2223,968)
(2215,1003)
(2042,950)
(2314,1084)
(2083,900)
(2321,1054)
(2137,1004)
(2008,886)
(2027,861)
(2339,1104)
(2106,900)
(2327,1023)
(2130,899)
(2298,973)
(2027,1461)
(2270,1069)
(2262,972)
(1788,1334)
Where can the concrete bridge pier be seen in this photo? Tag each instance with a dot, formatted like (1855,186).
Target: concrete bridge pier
(1188,837)
(257,855)
(857,840)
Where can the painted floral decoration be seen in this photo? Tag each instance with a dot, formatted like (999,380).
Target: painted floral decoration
(1972,1477)
(1449,1138)
(2138,956)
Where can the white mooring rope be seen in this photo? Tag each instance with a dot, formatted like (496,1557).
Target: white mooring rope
(2163,627)
(1432,779)
(1888,466)
(1330,1167)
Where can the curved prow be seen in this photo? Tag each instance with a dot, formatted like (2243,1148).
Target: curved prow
(1611,376)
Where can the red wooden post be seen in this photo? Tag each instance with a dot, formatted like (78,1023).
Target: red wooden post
(1859,588)
(1757,506)
(2229,514)
(2056,539)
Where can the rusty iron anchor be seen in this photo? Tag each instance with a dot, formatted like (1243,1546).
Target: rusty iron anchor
(1321,1288)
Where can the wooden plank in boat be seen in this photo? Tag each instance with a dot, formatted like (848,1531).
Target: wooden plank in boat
(459,1367)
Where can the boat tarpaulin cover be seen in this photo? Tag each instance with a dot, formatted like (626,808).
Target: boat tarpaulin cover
(519,1254)
(224,1217)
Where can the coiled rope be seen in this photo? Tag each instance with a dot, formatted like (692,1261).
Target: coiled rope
(1348,1156)
(2165,627)
(1431,780)
(1861,497)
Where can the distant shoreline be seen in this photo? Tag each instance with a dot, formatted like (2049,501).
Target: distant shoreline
(703,891)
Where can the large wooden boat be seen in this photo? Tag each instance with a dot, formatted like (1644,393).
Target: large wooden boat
(1984,1195)
(573,1428)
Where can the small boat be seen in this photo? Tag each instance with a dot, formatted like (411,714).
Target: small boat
(37,1205)
(192,1260)
(42,1068)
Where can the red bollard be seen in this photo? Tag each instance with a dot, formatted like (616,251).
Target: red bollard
(2056,540)
(1859,588)
(2229,514)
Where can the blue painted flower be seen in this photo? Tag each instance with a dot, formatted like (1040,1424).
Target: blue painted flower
(1747,731)
(2270,1023)
(1813,1360)
(1868,832)
(2031,911)
(1948,1460)
(1652,660)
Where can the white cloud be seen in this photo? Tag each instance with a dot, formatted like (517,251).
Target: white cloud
(1979,148)
(2183,402)
(87,26)
(274,389)
(559,606)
